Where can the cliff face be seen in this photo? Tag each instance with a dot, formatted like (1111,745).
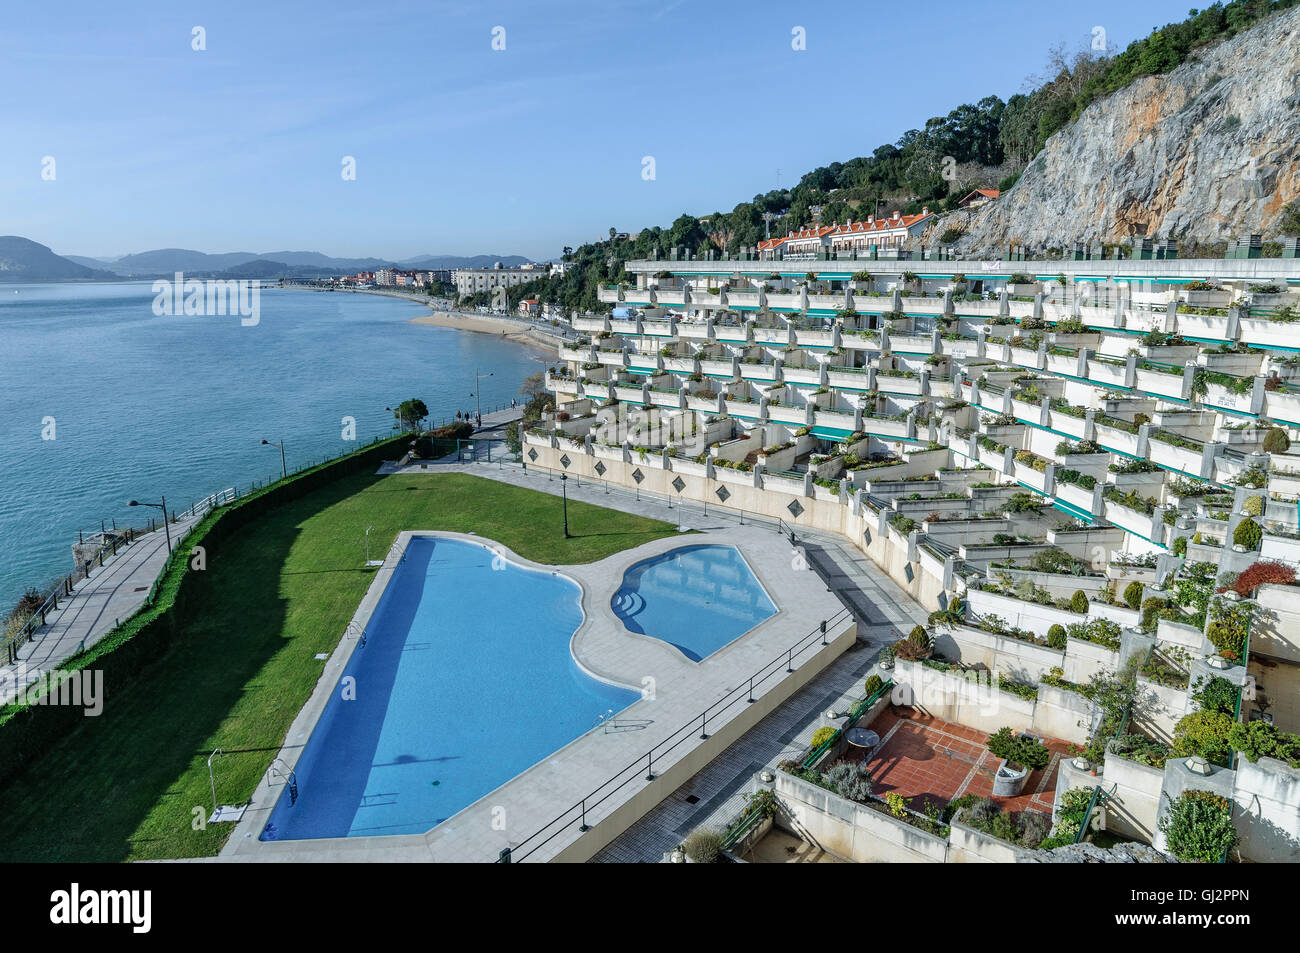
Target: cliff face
(1207,152)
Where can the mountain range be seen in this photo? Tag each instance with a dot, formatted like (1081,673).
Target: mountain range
(24,260)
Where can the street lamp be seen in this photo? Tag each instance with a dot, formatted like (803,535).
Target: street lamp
(564,479)
(478,404)
(161,506)
(284,470)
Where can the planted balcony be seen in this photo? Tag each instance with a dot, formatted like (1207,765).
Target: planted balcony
(898,382)
(1117,434)
(1107,372)
(1155,377)
(1176,452)
(1130,510)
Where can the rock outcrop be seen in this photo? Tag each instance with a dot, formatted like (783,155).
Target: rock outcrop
(1207,152)
(1126,853)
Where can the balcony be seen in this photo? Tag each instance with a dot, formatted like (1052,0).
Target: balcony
(589,324)
(780,336)
(920,344)
(1184,459)
(1107,374)
(1163,379)
(805,338)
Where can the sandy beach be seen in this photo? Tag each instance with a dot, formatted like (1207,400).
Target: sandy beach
(486,324)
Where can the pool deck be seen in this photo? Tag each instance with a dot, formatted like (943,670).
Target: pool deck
(675,691)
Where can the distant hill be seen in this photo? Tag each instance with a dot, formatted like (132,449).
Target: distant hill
(461,261)
(22,259)
(166,261)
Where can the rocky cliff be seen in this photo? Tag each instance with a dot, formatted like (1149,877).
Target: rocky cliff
(1206,152)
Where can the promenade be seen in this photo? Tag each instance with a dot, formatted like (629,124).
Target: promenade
(110,593)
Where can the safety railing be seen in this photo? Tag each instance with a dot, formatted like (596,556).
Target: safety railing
(575,816)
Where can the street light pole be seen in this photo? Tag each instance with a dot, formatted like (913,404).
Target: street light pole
(564,479)
(159,506)
(478,404)
(284,470)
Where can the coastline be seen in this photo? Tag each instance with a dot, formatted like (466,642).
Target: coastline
(483,324)
(509,328)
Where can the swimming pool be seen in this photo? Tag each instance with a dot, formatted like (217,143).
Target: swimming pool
(697,598)
(465,681)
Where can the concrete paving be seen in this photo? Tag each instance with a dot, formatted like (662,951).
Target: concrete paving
(109,594)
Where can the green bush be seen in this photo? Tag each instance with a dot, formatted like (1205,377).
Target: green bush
(1259,739)
(1180,546)
(873,685)
(1133,594)
(822,735)
(1276,441)
(1056,636)
(1248,534)
(1216,694)
(1198,826)
(851,780)
(1079,601)
(704,847)
(1022,751)
(1203,733)
(1253,506)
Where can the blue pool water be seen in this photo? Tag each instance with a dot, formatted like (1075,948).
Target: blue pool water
(465,680)
(698,598)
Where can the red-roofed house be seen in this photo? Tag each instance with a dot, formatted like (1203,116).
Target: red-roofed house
(884,233)
(979,197)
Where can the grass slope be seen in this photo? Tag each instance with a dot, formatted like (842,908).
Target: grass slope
(125,785)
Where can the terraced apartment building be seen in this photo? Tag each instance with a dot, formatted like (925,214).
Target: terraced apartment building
(1053,453)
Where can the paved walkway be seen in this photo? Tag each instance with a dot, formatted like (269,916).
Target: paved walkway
(109,594)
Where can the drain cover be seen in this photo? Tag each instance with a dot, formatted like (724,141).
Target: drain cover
(692,799)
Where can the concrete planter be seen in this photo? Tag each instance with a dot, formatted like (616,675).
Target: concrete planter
(1009,779)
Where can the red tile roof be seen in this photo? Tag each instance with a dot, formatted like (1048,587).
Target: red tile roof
(850,228)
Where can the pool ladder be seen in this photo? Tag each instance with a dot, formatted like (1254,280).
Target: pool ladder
(604,721)
(290,778)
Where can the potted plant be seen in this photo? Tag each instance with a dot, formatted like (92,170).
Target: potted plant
(887,658)
(1020,755)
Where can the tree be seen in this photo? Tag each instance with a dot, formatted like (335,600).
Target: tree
(410,413)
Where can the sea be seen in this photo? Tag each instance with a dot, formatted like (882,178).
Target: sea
(103,401)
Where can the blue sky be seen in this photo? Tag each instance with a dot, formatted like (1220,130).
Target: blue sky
(459,148)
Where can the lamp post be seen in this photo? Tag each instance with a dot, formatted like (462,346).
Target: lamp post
(284,470)
(564,479)
(161,506)
(478,404)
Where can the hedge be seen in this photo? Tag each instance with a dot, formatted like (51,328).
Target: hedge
(26,731)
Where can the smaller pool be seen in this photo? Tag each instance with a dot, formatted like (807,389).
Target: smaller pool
(697,598)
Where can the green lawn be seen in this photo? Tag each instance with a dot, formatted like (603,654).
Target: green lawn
(124,786)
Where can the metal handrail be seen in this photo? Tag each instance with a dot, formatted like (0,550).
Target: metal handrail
(620,779)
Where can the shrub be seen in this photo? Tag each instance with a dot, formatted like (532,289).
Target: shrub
(887,655)
(896,803)
(1276,441)
(822,735)
(1180,546)
(1259,739)
(1028,752)
(1253,506)
(851,781)
(1056,636)
(1079,601)
(873,685)
(704,847)
(1203,733)
(918,645)
(1259,573)
(1133,594)
(1216,694)
(1248,534)
(1033,828)
(457,431)
(1198,826)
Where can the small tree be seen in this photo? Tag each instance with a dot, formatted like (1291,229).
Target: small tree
(1248,534)
(410,413)
(1133,594)
(1203,733)
(1079,601)
(1056,636)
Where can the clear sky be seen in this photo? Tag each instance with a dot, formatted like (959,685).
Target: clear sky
(460,148)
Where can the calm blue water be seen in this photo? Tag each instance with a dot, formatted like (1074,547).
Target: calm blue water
(465,680)
(147,406)
(698,598)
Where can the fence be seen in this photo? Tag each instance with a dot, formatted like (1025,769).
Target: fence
(577,813)
(115,540)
